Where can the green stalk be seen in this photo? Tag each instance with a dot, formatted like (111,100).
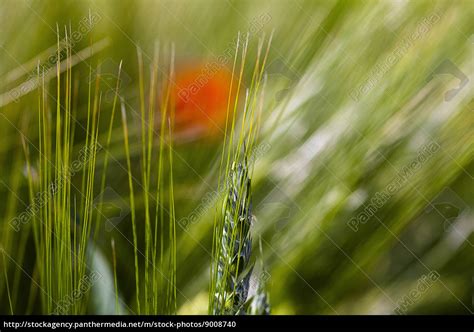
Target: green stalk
(132,201)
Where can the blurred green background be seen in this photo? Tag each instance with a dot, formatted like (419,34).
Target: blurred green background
(362,98)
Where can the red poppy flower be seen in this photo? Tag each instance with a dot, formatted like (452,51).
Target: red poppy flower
(201,95)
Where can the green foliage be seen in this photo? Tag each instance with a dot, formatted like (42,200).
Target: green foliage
(340,109)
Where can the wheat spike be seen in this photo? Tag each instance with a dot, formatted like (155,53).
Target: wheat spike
(234,267)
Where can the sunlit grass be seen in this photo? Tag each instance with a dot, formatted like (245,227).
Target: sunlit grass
(327,155)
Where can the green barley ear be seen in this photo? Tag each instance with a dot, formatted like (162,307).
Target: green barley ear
(234,266)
